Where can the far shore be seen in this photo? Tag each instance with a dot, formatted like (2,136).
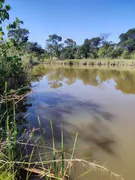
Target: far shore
(93,62)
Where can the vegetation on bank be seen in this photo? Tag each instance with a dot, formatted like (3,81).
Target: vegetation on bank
(96,47)
(93,62)
(92,49)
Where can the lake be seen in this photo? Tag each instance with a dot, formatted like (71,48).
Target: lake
(98,104)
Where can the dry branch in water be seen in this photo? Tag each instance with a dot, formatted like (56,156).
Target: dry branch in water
(41,173)
(45,172)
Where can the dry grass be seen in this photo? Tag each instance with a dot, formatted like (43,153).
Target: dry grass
(47,163)
(93,62)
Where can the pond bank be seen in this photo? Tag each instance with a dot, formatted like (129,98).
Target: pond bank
(93,62)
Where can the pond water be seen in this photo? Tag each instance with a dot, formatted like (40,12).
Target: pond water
(96,103)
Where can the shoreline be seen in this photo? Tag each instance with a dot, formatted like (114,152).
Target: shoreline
(91,62)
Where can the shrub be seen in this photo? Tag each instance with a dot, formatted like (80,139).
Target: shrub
(126,54)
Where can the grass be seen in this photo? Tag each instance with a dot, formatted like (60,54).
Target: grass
(93,62)
(6,176)
(53,167)
(50,162)
(43,161)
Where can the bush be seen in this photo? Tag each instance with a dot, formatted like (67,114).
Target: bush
(115,53)
(126,54)
(133,55)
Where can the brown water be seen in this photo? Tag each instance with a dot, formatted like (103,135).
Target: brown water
(99,104)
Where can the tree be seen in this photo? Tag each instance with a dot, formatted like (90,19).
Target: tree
(70,42)
(108,48)
(54,39)
(104,37)
(127,40)
(19,35)
(11,69)
(126,54)
(109,51)
(89,48)
(68,52)
(115,53)
(85,48)
(79,53)
(95,42)
(34,47)
(102,52)
(54,46)
(4,15)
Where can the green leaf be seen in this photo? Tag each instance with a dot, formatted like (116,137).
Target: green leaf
(1,5)
(6,15)
(7,27)
(21,22)
(7,7)
(1,33)
(17,20)
(2,1)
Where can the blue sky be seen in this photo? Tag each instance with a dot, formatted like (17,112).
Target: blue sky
(76,19)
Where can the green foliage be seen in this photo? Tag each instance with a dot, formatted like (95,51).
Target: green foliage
(85,48)
(20,36)
(126,54)
(6,176)
(102,52)
(127,40)
(97,47)
(116,53)
(53,46)
(34,47)
(70,42)
(68,53)
(133,55)
(11,69)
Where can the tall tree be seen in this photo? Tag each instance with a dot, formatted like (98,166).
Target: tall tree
(127,40)
(19,35)
(11,69)
(89,48)
(68,52)
(54,46)
(34,47)
(95,42)
(70,42)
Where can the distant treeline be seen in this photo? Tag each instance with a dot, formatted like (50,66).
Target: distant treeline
(96,47)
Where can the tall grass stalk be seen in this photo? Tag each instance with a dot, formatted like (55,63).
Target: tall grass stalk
(42,135)
(72,155)
(30,158)
(8,139)
(44,147)
(54,152)
(62,151)
(15,128)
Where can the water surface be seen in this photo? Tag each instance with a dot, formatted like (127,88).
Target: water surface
(96,103)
